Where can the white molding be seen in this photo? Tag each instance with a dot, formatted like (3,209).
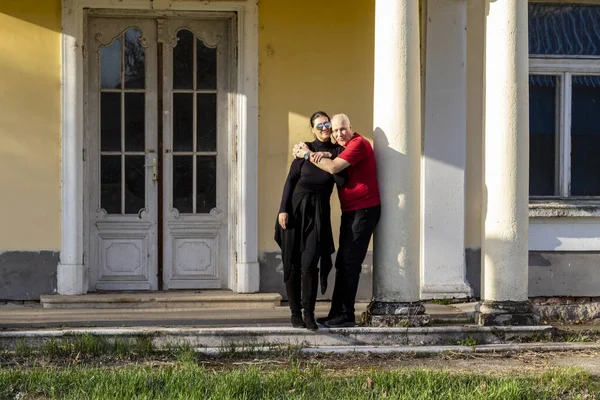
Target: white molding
(244,271)
(559,65)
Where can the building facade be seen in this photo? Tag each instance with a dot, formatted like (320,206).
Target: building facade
(145,143)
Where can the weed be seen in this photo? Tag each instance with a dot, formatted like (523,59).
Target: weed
(468,341)
(22,349)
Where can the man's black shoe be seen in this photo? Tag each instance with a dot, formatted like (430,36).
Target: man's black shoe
(341,321)
(322,320)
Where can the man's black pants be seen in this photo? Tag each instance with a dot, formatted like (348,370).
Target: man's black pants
(355,234)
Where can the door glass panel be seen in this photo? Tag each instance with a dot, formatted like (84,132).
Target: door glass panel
(183,180)
(206,66)
(135,184)
(134,121)
(110,121)
(206,114)
(110,65)
(206,186)
(110,184)
(542,134)
(183,121)
(585,136)
(183,61)
(135,76)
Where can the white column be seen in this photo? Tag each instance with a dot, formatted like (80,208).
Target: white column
(247,267)
(505,247)
(72,276)
(397,143)
(444,152)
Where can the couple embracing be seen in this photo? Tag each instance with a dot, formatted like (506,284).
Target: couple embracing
(303,228)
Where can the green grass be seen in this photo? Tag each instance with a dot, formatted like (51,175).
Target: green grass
(468,341)
(190,381)
(442,302)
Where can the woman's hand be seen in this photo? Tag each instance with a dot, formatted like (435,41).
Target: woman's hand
(283,220)
(299,150)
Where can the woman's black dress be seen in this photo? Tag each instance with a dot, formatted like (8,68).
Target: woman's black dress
(308,236)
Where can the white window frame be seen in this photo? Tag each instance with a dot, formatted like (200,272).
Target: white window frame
(564,68)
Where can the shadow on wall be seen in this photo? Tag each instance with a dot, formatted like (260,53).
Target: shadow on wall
(45,14)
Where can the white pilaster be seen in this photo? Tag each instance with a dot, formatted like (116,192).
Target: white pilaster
(72,277)
(505,248)
(444,152)
(397,144)
(247,267)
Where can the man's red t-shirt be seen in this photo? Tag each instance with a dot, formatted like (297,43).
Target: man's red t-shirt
(361,190)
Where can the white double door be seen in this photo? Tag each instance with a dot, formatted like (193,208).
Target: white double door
(156,151)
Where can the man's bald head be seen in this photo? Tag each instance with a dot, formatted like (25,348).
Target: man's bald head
(341,128)
(342,118)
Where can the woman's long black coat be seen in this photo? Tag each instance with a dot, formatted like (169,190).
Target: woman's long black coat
(305,198)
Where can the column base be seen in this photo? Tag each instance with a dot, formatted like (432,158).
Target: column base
(395,314)
(459,290)
(72,279)
(506,313)
(248,277)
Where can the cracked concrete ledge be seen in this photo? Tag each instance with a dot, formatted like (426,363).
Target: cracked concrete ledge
(258,337)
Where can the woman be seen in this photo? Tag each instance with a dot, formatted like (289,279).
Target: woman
(303,228)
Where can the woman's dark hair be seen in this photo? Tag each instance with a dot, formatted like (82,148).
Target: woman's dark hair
(317,115)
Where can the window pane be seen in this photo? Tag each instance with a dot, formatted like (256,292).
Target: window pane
(183,121)
(135,184)
(183,181)
(206,184)
(135,75)
(585,136)
(134,121)
(206,66)
(110,65)
(564,29)
(110,121)
(542,134)
(183,61)
(206,108)
(110,184)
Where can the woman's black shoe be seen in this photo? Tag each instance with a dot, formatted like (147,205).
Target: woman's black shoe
(297,321)
(311,324)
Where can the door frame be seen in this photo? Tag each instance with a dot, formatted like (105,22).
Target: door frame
(73,270)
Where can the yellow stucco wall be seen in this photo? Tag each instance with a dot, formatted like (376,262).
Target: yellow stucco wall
(313,55)
(30,125)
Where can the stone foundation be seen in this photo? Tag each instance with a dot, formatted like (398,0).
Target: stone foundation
(395,314)
(567,309)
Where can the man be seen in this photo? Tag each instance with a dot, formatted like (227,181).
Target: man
(361,209)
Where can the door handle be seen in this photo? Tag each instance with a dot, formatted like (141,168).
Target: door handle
(154,169)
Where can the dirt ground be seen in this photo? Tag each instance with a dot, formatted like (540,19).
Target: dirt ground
(500,363)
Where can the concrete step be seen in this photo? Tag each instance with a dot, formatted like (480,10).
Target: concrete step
(184,299)
(261,338)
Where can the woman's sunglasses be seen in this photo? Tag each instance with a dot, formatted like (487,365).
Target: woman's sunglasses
(322,126)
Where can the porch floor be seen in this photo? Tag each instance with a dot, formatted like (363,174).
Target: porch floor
(32,315)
